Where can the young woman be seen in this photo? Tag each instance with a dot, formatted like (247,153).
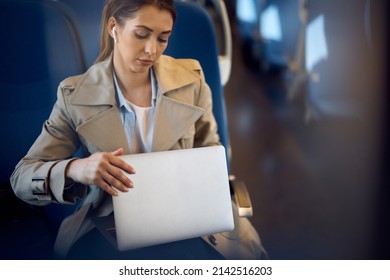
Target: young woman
(133,100)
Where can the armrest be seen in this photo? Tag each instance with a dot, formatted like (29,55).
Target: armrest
(241,197)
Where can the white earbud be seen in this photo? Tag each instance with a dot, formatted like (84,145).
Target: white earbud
(113,35)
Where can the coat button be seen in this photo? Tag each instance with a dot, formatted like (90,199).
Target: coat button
(213,240)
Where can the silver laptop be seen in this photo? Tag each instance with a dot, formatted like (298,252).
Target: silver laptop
(177,195)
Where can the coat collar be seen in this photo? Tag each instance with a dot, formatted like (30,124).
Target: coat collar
(171,74)
(98,81)
(96,86)
(172,118)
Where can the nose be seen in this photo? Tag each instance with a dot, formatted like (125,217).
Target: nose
(151,47)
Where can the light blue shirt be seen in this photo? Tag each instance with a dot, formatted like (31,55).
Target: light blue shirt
(135,131)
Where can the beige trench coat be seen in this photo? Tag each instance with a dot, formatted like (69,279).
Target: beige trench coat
(86,115)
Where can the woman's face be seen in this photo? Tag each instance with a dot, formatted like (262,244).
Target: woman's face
(142,40)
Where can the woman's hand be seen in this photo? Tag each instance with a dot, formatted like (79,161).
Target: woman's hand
(102,169)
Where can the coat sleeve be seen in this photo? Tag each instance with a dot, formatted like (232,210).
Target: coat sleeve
(39,177)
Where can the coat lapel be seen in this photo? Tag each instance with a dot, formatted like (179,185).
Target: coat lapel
(173,118)
(106,131)
(103,125)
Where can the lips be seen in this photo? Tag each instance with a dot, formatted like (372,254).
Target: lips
(145,62)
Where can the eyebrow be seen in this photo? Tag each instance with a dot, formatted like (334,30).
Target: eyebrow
(151,30)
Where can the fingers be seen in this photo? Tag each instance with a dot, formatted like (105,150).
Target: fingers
(110,176)
(105,170)
(117,152)
(118,179)
(119,163)
(111,179)
(106,187)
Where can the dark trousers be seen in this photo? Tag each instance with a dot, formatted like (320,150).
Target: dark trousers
(93,246)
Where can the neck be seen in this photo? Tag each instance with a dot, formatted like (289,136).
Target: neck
(135,87)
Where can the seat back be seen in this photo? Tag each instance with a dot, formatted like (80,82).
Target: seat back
(88,16)
(43,47)
(40,47)
(194,37)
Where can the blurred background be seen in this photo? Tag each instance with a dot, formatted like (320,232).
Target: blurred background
(308,111)
(307,101)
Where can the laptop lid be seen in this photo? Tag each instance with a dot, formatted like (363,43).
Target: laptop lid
(177,195)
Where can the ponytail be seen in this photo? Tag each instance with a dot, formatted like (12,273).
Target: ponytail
(106,44)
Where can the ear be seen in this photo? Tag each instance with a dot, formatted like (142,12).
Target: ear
(111,28)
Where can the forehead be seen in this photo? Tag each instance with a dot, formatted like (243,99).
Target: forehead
(153,18)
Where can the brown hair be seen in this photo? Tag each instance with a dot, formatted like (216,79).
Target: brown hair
(121,10)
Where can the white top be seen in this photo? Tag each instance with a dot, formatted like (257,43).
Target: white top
(144,120)
(138,122)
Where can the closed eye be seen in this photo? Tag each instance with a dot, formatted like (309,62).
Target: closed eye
(162,40)
(141,37)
